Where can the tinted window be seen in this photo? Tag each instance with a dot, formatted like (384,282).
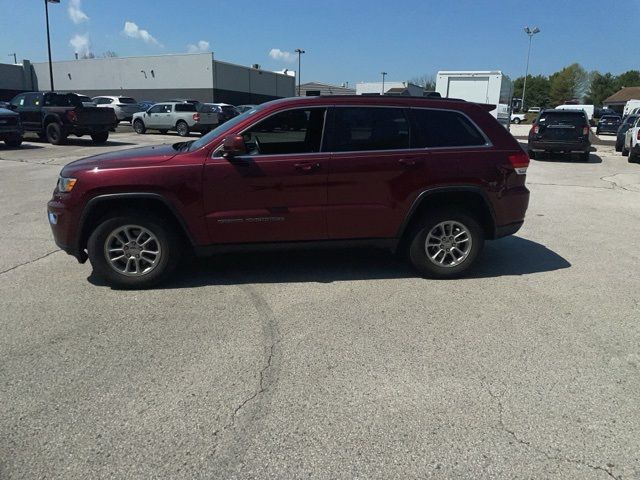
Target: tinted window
(126,100)
(291,131)
(185,107)
(32,100)
(562,118)
(369,128)
(631,119)
(444,128)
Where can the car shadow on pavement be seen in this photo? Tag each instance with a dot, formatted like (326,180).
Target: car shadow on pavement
(24,146)
(566,158)
(505,257)
(78,142)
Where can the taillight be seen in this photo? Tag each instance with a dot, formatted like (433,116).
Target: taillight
(585,130)
(196,117)
(519,162)
(535,129)
(72,116)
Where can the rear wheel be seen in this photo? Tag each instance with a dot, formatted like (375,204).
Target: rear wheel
(445,244)
(182,128)
(13,142)
(132,250)
(54,134)
(100,138)
(138,127)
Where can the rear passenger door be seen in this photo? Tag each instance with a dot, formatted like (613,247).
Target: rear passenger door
(31,111)
(372,171)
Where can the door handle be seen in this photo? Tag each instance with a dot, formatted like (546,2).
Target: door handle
(307,167)
(407,162)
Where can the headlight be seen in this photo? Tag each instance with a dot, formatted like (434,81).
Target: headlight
(65,185)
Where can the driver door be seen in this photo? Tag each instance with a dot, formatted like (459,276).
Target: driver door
(154,116)
(275,192)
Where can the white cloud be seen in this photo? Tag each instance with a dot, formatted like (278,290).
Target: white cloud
(81,44)
(75,12)
(201,46)
(132,30)
(281,55)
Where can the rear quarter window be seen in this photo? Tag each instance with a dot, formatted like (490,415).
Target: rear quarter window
(444,128)
(185,107)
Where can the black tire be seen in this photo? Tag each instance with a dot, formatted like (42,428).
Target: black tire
(163,132)
(532,155)
(516,121)
(100,138)
(54,134)
(168,240)
(139,127)
(633,157)
(625,151)
(618,146)
(182,128)
(13,142)
(417,236)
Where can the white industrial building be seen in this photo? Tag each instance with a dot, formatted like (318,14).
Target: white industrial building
(390,88)
(157,78)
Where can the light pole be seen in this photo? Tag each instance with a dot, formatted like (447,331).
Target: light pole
(299,51)
(384,74)
(46,12)
(15,58)
(531,32)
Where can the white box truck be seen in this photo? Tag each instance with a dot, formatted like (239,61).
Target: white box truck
(490,87)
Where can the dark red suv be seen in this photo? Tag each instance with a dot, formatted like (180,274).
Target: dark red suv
(430,177)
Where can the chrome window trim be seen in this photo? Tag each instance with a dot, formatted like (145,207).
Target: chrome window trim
(324,129)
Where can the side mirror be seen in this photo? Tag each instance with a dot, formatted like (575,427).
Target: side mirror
(233,146)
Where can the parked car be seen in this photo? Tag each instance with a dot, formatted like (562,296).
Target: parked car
(622,130)
(631,107)
(10,128)
(560,131)
(533,110)
(518,118)
(55,116)
(631,147)
(225,111)
(608,124)
(124,107)
(181,117)
(378,172)
(244,108)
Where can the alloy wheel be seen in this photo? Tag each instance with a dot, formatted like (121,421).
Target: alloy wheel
(448,244)
(132,250)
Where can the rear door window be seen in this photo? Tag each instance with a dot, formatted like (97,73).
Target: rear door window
(444,128)
(369,129)
(185,107)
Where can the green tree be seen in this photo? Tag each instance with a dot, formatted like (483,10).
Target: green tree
(628,79)
(537,90)
(570,83)
(602,86)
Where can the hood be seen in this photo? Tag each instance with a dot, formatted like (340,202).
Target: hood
(132,157)
(5,112)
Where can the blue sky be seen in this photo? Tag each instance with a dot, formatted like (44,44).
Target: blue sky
(345,40)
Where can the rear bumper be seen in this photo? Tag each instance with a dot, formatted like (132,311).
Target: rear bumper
(563,146)
(87,130)
(199,127)
(611,130)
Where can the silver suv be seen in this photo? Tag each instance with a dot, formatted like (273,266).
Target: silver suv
(183,117)
(124,107)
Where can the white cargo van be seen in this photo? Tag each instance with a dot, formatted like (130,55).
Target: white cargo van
(589,109)
(490,87)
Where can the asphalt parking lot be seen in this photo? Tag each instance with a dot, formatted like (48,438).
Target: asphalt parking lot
(332,364)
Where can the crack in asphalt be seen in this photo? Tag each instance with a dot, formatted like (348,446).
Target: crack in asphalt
(546,454)
(28,263)
(267,377)
(615,185)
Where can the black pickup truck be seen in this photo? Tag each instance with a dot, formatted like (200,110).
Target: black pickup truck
(55,116)
(10,128)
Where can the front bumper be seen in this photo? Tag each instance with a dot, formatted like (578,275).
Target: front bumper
(63,227)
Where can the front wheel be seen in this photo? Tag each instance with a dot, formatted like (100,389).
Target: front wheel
(54,134)
(445,244)
(134,250)
(138,127)
(100,138)
(182,128)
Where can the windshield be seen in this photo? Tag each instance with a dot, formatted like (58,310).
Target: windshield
(562,118)
(221,129)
